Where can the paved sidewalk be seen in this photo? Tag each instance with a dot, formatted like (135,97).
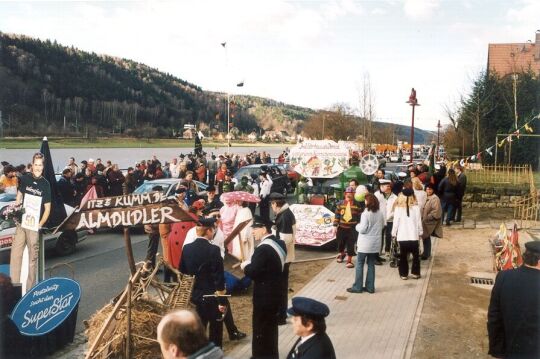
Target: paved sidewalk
(380,325)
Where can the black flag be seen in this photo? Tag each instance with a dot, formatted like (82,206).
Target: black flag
(58,211)
(198,145)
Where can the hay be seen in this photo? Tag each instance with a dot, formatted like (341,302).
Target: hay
(145,317)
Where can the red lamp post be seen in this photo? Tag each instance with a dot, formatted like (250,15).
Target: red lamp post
(413,102)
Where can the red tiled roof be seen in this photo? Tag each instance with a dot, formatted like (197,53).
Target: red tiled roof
(508,58)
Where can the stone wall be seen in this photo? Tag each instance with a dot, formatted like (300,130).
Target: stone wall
(493,197)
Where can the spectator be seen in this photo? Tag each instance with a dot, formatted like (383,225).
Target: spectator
(309,324)
(462,179)
(130,183)
(449,192)
(407,229)
(66,189)
(181,334)
(79,184)
(419,192)
(513,315)
(72,165)
(431,220)
(368,245)
(9,181)
(116,180)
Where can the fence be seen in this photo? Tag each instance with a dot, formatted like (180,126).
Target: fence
(502,175)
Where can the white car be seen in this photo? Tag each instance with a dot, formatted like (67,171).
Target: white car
(394,157)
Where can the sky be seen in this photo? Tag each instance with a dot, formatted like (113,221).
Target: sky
(306,53)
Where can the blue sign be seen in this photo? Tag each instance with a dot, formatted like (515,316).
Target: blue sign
(46,306)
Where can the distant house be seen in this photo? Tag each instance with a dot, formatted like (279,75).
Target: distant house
(252,137)
(506,59)
(275,135)
(189,134)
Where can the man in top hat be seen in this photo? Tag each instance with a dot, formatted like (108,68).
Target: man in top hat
(514,309)
(265,269)
(346,218)
(203,260)
(285,230)
(309,324)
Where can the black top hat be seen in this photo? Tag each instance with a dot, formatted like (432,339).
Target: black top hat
(206,222)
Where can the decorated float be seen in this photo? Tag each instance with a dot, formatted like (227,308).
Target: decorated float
(329,165)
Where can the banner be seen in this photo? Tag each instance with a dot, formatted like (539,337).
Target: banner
(46,306)
(114,217)
(314,224)
(319,159)
(139,199)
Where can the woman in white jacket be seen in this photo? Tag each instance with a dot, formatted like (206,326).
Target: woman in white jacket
(369,242)
(407,230)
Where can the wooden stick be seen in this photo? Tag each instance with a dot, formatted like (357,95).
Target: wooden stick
(128,318)
(111,316)
(129,250)
(235,231)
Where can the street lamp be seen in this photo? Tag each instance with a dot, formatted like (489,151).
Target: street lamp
(413,102)
(438,133)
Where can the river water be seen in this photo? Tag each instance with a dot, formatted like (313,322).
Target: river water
(124,157)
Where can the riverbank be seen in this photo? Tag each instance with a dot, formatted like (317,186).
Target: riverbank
(123,142)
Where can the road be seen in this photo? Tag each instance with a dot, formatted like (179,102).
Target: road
(101,268)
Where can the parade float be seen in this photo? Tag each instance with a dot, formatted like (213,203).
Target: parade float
(330,166)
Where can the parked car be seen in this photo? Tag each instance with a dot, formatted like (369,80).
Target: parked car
(281,183)
(291,174)
(62,243)
(394,157)
(168,185)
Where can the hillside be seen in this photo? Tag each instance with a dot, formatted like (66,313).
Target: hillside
(50,89)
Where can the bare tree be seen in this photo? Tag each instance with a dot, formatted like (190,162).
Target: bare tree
(367,110)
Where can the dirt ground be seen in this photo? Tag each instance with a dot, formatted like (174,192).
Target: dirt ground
(453,320)
(299,275)
(454,313)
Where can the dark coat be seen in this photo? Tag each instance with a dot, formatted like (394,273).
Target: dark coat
(285,221)
(203,260)
(67,191)
(448,193)
(514,315)
(265,270)
(317,347)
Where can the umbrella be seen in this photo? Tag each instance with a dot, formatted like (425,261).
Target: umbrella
(58,211)
(239,196)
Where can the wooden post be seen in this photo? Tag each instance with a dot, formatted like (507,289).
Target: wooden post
(128,318)
(129,250)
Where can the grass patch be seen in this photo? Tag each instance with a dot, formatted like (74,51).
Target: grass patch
(22,143)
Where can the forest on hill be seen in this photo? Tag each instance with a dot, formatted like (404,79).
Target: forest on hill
(51,89)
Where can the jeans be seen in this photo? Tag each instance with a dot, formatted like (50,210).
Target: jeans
(370,277)
(448,212)
(459,209)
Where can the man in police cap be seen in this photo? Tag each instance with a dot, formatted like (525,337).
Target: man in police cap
(265,268)
(203,260)
(285,230)
(514,309)
(309,324)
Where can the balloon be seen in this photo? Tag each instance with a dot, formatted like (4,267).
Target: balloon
(360,197)
(361,189)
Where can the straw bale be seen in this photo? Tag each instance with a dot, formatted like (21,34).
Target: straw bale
(145,317)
